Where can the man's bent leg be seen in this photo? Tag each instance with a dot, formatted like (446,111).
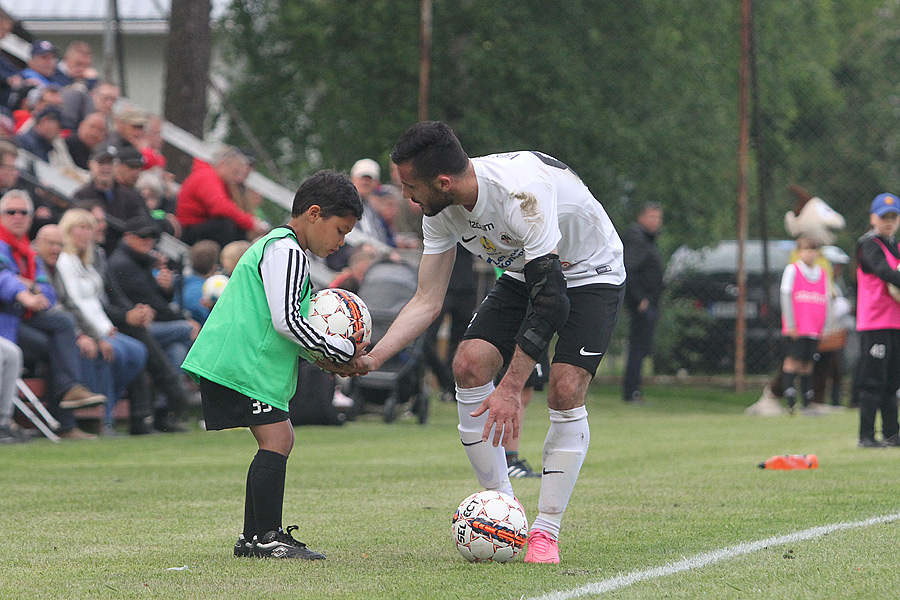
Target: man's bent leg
(474,367)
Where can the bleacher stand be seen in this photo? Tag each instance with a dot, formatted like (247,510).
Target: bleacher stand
(54,171)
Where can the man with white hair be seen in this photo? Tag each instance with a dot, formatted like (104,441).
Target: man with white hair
(205,207)
(366,177)
(77,103)
(128,125)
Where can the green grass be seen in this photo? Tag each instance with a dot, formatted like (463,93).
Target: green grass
(107,519)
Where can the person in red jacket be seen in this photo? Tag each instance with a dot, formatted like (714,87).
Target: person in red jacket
(205,208)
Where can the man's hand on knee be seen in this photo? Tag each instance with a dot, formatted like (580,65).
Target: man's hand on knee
(502,407)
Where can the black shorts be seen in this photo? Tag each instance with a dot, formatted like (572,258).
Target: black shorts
(803,348)
(225,408)
(584,338)
(539,376)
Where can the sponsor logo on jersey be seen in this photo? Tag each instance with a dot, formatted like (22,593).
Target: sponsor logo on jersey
(603,269)
(504,262)
(565,264)
(504,237)
(810,297)
(477,225)
(466,240)
(488,246)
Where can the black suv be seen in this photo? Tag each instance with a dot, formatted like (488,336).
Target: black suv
(697,330)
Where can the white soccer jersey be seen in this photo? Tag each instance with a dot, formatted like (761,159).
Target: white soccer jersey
(528,204)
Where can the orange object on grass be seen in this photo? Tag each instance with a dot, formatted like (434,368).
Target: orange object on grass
(786,462)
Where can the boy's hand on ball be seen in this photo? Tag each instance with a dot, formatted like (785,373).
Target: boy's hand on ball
(361,345)
(348,368)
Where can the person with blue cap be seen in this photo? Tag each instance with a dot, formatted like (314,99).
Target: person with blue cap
(42,64)
(878,323)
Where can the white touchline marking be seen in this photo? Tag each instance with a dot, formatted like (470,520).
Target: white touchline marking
(708,558)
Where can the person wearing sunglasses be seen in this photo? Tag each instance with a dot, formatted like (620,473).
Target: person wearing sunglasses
(26,297)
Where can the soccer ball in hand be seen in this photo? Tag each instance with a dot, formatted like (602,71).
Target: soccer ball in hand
(489,525)
(338,312)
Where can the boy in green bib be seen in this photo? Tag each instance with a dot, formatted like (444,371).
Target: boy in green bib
(245,358)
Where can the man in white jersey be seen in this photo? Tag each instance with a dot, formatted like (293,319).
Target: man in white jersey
(531,215)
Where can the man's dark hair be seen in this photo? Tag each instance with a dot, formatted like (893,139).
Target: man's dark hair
(646,206)
(432,148)
(332,191)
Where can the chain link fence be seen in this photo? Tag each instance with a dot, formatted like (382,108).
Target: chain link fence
(837,138)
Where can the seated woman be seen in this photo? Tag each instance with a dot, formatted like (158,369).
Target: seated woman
(124,357)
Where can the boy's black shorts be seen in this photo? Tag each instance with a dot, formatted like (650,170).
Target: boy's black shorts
(583,340)
(803,348)
(225,408)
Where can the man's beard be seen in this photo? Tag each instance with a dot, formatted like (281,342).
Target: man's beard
(436,203)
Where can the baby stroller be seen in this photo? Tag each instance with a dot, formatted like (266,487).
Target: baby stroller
(386,288)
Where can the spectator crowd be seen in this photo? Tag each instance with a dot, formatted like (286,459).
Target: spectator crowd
(88,303)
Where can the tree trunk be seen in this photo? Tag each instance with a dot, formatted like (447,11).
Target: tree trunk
(187,74)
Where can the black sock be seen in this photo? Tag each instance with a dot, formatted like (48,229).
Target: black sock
(265,493)
(512,457)
(805,392)
(249,514)
(787,384)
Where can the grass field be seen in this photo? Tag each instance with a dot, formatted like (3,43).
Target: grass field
(677,478)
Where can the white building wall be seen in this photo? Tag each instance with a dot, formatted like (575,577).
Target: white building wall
(145,55)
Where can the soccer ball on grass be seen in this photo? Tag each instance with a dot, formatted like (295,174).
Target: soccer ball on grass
(491,526)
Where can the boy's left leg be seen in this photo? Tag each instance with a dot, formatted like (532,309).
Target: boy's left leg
(264,501)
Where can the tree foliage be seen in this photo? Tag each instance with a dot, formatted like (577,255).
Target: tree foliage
(639,97)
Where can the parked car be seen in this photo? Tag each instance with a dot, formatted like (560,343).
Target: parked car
(697,331)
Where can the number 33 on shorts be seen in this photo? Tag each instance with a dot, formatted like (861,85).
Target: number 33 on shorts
(260,407)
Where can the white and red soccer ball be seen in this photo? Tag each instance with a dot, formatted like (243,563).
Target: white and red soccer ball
(491,526)
(338,312)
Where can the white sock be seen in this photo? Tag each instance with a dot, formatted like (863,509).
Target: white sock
(488,462)
(564,450)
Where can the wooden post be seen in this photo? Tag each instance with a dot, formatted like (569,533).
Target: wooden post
(743,157)
(424,58)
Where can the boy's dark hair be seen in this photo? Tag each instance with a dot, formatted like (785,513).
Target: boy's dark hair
(332,191)
(205,257)
(432,148)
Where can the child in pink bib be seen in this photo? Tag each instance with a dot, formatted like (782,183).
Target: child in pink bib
(804,310)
